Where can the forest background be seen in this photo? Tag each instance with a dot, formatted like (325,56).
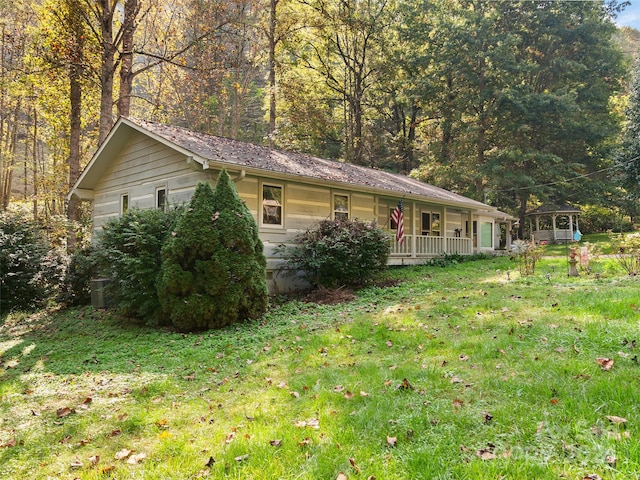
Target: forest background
(513,103)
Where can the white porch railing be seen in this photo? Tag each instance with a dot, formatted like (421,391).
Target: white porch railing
(430,246)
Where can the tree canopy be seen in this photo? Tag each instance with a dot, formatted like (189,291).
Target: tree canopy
(510,102)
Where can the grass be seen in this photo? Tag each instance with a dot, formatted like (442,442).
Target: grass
(602,240)
(465,372)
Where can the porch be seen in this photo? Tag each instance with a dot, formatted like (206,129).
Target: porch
(420,247)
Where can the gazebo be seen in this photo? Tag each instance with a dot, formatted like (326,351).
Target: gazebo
(553,223)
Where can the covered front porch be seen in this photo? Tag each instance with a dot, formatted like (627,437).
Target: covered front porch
(435,230)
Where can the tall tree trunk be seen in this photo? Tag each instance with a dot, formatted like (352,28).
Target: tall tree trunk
(107,69)
(273,6)
(131,9)
(76,71)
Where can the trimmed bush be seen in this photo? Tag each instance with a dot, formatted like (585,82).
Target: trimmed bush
(213,266)
(340,252)
(76,285)
(29,269)
(129,253)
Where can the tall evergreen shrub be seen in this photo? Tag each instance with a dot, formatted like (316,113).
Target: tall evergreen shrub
(213,266)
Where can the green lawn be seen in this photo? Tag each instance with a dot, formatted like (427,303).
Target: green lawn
(465,372)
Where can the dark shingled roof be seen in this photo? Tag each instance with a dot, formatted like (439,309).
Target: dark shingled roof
(246,155)
(554,208)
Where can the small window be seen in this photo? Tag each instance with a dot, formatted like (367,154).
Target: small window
(435,224)
(161,198)
(426,223)
(340,207)
(124,203)
(271,205)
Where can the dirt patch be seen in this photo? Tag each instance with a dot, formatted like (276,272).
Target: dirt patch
(329,296)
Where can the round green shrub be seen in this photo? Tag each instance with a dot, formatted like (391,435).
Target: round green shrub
(213,265)
(341,252)
(128,252)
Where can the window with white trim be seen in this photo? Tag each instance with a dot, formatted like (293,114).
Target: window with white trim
(124,203)
(272,201)
(341,207)
(161,198)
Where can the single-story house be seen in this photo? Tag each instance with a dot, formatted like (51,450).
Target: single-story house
(150,165)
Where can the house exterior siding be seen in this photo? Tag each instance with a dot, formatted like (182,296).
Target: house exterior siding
(135,164)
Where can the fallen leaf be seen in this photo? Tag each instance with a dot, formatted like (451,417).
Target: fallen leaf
(63,412)
(391,441)
(348,395)
(94,459)
(341,476)
(275,443)
(592,476)
(611,460)
(363,393)
(457,403)
(353,464)
(389,343)
(405,385)
(241,458)
(122,454)
(9,443)
(164,423)
(462,357)
(485,454)
(338,388)
(313,423)
(164,434)
(305,441)
(137,458)
(540,427)
(76,464)
(107,469)
(616,420)
(605,363)
(295,394)
(456,380)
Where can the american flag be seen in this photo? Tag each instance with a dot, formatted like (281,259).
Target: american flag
(398,219)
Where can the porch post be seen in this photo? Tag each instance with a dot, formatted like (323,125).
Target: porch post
(414,240)
(554,217)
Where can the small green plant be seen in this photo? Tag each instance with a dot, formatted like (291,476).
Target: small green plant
(627,248)
(340,252)
(30,269)
(528,254)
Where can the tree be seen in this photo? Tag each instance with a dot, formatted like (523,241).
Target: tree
(213,267)
(628,161)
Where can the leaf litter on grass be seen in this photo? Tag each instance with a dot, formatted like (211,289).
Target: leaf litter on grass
(428,347)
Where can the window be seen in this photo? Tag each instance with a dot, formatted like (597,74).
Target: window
(426,223)
(271,205)
(340,207)
(161,198)
(124,203)
(435,224)
(430,224)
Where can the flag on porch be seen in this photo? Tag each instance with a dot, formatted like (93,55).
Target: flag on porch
(398,219)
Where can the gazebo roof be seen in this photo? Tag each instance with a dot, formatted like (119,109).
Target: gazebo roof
(551,208)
